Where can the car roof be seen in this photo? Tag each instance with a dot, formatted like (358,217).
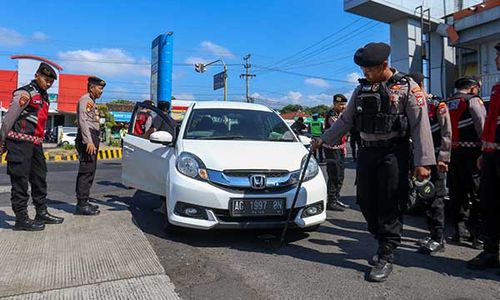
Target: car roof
(230,105)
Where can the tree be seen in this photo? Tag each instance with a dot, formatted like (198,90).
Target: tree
(318,109)
(122,101)
(104,113)
(291,108)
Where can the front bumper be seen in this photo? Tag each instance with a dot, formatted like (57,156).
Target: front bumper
(215,200)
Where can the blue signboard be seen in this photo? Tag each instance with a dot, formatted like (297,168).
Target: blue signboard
(218,81)
(121,116)
(161,68)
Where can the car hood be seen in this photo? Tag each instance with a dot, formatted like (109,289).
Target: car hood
(226,155)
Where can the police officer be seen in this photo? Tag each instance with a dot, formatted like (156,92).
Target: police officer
(298,126)
(163,123)
(316,130)
(439,118)
(87,145)
(467,114)
(386,107)
(23,131)
(354,140)
(490,182)
(335,156)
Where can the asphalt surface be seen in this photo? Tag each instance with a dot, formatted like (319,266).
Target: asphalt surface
(329,263)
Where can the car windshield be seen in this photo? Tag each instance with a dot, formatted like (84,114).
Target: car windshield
(237,124)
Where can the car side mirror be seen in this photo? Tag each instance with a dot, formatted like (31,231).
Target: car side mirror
(161,137)
(305,140)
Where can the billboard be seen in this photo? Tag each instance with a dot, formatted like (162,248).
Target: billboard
(161,67)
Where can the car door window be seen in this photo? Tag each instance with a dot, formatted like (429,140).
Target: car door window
(146,116)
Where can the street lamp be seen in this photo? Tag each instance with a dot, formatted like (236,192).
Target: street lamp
(201,68)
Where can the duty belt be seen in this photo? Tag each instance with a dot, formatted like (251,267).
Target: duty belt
(382,143)
(25,137)
(489,147)
(466,144)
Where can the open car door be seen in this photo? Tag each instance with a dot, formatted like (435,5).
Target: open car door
(144,163)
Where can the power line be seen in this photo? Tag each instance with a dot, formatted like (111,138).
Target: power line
(302,75)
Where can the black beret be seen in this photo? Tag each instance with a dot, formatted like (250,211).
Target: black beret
(47,70)
(97,81)
(497,46)
(465,82)
(372,54)
(339,98)
(417,77)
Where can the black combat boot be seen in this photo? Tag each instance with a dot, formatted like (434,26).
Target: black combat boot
(342,204)
(382,267)
(461,233)
(335,206)
(23,222)
(43,216)
(86,209)
(432,247)
(423,241)
(484,260)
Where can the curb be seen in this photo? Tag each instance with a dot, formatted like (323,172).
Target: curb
(101,154)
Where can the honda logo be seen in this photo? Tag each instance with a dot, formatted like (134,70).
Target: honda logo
(258,182)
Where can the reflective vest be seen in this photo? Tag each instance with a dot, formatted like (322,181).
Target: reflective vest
(30,125)
(140,123)
(316,129)
(491,131)
(433,107)
(373,108)
(463,133)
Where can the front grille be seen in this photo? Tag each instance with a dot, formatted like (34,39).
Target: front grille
(247,173)
(224,216)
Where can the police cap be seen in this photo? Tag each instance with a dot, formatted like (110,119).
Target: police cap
(93,80)
(417,77)
(339,98)
(497,46)
(466,82)
(47,70)
(372,54)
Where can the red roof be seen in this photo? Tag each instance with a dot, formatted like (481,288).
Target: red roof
(8,83)
(293,115)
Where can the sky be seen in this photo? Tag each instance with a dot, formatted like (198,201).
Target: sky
(301,50)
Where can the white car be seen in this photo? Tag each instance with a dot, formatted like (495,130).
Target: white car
(68,138)
(232,165)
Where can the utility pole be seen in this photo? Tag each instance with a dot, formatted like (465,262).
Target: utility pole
(247,76)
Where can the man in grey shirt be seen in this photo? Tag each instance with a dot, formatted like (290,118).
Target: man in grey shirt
(87,145)
(387,108)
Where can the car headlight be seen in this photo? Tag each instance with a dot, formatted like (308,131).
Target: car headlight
(312,168)
(311,171)
(191,166)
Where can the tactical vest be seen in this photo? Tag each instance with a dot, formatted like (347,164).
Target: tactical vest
(373,108)
(140,123)
(433,110)
(32,119)
(463,132)
(491,130)
(316,128)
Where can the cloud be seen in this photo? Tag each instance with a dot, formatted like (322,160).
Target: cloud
(9,37)
(216,50)
(317,82)
(353,77)
(39,36)
(194,60)
(104,62)
(184,96)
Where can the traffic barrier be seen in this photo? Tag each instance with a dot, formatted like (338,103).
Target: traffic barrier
(102,154)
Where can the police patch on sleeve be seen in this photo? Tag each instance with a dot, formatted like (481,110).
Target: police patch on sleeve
(23,100)
(420,99)
(90,106)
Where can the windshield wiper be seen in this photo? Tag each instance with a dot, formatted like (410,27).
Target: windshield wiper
(223,137)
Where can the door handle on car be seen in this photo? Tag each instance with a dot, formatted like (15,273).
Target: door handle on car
(128,148)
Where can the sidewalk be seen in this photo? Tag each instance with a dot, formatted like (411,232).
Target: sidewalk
(103,257)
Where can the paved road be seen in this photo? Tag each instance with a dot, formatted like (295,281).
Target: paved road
(331,262)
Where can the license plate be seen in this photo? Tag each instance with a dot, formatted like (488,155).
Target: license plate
(257,207)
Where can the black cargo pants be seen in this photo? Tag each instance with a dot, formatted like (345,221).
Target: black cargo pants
(335,169)
(26,164)
(382,192)
(490,201)
(87,167)
(434,208)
